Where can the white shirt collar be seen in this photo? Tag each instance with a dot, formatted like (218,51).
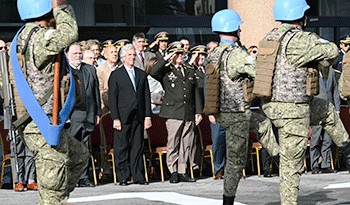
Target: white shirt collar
(111,66)
(76,68)
(128,68)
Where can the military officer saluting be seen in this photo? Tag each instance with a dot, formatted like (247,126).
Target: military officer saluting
(160,44)
(181,107)
(199,53)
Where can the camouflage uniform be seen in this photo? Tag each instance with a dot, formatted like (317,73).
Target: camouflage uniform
(291,111)
(58,168)
(235,115)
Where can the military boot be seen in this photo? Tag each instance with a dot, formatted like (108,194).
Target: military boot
(228,200)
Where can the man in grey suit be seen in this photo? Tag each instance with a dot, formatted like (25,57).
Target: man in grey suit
(87,108)
(320,144)
(142,57)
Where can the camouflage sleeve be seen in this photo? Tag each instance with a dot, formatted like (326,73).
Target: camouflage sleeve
(52,41)
(240,62)
(306,47)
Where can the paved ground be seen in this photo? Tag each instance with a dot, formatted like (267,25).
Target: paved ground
(323,189)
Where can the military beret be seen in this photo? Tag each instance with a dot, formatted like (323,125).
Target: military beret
(107,43)
(121,43)
(345,39)
(162,36)
(175,46)
(201,49)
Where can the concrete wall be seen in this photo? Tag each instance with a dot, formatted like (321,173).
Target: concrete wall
(257,16)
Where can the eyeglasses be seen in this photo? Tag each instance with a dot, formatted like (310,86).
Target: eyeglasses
(3,48)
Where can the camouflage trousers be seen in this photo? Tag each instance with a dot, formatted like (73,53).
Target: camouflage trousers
(58,168)
(292,121)
(237,127)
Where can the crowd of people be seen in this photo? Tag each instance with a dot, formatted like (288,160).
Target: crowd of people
(133,80)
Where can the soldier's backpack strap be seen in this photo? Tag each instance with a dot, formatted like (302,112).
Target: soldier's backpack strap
(20,55)
(265,66)
(26,116)
(212,88)
(345,90)
(50,132)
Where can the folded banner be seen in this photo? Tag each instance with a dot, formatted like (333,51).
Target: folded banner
(50,132)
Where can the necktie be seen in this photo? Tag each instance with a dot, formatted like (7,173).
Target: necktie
(142,59)
(181,69)
(132,78)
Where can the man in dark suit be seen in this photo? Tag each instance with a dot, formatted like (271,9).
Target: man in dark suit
(181,106)
(87,108)
(130,106)
(321,143)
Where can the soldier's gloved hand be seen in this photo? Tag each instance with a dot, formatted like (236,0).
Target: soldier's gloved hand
(323,65)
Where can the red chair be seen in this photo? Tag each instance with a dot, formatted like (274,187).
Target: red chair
(206,142)
(157,140)
(5,151)
(95,145)
(107,140)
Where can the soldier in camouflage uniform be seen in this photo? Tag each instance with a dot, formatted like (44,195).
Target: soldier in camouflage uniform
(235,115)
(290,109)
(59,167)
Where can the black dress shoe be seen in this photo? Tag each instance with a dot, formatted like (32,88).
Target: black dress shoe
(141,182)
(196,173)
(174,178)
(85,183)
(267,174)
(315,170)
(123,183)
(185,178)
(328,170)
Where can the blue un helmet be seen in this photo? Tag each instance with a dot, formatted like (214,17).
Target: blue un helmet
(226,21)
(30,9)
(289,10)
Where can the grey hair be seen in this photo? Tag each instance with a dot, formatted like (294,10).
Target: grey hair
(123,50)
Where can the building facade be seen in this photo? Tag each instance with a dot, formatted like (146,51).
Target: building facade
(110,19)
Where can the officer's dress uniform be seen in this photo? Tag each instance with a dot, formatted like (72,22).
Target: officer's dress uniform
(291,110)
(58,168)
(235,115)
(180,104)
